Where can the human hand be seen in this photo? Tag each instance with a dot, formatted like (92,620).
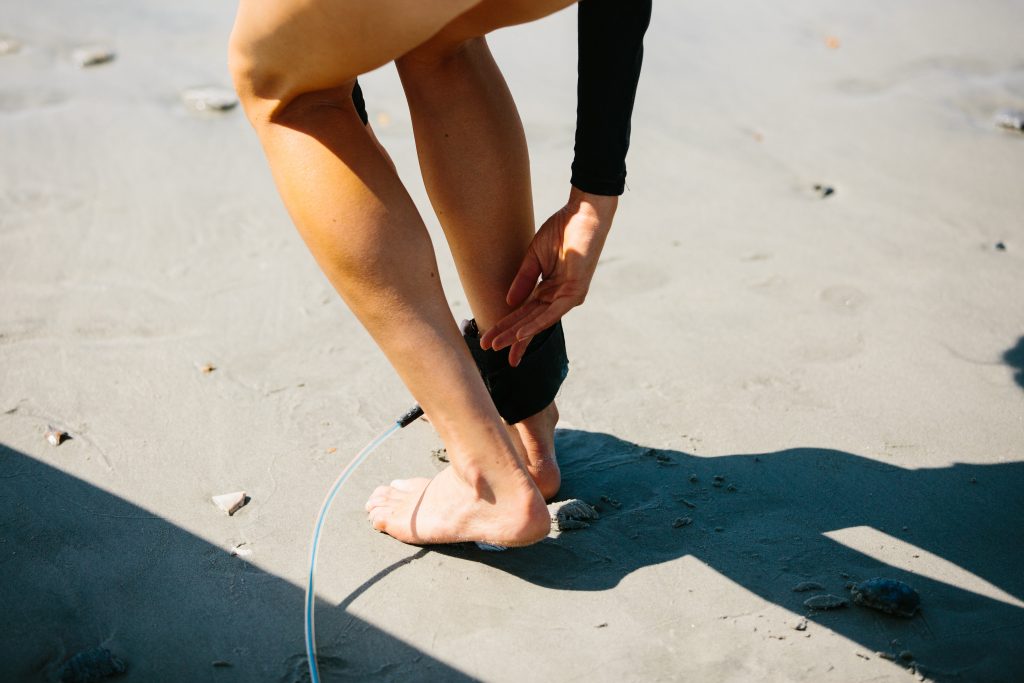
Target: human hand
(564,254)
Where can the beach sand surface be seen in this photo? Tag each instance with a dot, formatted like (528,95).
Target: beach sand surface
(850,366)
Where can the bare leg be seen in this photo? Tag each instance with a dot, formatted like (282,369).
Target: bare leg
(293,62)
(476,169)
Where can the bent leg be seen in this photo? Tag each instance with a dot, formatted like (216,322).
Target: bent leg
(365,233)
(476,168)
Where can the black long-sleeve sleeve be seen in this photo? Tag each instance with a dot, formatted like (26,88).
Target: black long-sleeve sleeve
(611,51)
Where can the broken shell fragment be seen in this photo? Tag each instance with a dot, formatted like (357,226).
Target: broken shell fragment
(230,502)
(54,436)
(571,514)
(887,595)
(241,550)
(92,55)
(209,98)
(825,602)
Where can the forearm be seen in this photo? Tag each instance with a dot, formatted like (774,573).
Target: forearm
(610,56)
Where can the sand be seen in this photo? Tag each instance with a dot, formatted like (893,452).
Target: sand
(850,365)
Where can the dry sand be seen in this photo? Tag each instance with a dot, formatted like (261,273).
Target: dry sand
(851,365)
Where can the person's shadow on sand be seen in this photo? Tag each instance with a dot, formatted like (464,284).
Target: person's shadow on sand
(768,534)
(77,560)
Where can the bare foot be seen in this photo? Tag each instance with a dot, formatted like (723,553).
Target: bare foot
(535,439)
(449,509)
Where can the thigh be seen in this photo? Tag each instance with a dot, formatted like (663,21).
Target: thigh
(490,15)
(283,48)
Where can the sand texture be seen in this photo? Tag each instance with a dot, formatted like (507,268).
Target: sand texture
(801,362)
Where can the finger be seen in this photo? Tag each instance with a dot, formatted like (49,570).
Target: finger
(511,334)
(545,318)
(525,280)
(516,352)
(506,325)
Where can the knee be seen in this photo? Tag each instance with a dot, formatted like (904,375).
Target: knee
(257,83)
(437,56)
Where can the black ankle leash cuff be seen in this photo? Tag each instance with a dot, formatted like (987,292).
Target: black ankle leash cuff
(522,391)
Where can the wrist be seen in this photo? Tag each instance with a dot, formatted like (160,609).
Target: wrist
(600,205)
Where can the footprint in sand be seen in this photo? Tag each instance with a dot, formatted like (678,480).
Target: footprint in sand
(638,278)
(843,299)
(14,101)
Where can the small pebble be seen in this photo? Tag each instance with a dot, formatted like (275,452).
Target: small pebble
(209,98)
(805,586)
(719,529)
(824,190)
(332,449)
(220,664)
(974,480)
(9,46)
(694,479)
(230,502)
(603,624)
(681,522)
(1013,119)
(611,501)
(54,436)
(687,503)
(731,488)
(1000,246)
(92,55)
(207,368)
(798,624)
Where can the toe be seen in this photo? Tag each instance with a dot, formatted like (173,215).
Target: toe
(379,517)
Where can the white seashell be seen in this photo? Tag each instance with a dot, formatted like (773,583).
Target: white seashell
(230,502)
(571,514)
(54,436)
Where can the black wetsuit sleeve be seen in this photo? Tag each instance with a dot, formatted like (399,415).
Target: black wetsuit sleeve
(611,50)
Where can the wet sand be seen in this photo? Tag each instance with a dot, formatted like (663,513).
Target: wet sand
(846,363)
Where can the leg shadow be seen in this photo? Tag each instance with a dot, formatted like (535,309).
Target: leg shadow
(83,568)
